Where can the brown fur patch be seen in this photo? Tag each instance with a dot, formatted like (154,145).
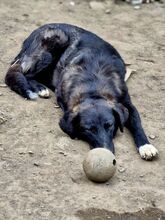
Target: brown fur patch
(53,37)
(76,108)
(14,68)
(107,96)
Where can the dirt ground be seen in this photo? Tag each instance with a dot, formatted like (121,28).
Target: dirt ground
(41,176)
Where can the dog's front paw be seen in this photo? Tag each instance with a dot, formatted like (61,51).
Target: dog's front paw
(148,152)
(44,93)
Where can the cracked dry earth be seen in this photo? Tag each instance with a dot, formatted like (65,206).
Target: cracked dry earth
(41,176)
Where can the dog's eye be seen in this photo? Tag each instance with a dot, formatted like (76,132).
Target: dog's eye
(93,129)
(107,125)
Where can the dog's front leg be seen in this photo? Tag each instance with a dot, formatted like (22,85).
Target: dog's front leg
(146,150)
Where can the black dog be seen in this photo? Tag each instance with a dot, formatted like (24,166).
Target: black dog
(87,75)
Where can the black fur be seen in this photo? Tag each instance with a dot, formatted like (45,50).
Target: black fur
(87,75)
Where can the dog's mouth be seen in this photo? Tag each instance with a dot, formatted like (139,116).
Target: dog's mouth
(110,148)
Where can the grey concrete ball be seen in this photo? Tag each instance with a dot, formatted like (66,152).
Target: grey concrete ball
(99,165)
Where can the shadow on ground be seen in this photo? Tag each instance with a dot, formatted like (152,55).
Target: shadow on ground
(97,214)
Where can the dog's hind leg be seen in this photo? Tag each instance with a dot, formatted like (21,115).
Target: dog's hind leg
(16,80)
(22,71)
(39,51)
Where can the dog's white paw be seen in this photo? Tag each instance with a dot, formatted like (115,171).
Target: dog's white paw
(148,151)
(44,93)
(32,95)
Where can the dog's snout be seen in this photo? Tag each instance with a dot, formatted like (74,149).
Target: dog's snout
(110,147)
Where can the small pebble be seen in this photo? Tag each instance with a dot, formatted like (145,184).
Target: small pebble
(1,94)
(56,106)
(152,137)
(153,203)
(73,179)
(25,15)
(121,169)
(107,11)
(72,3)
(61,152)
(21,152)
(137,7)
(2,120)
(30,152)
(48,164)
(29,212)
(36,164)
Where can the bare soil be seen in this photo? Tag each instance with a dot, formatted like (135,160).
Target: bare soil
(41,176)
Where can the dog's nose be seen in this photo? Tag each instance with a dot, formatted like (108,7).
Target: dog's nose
(110,147)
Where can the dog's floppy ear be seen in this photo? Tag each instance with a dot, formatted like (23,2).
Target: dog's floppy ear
(68,122)
(121,115)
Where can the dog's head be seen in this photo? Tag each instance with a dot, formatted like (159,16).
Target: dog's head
(95,122)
